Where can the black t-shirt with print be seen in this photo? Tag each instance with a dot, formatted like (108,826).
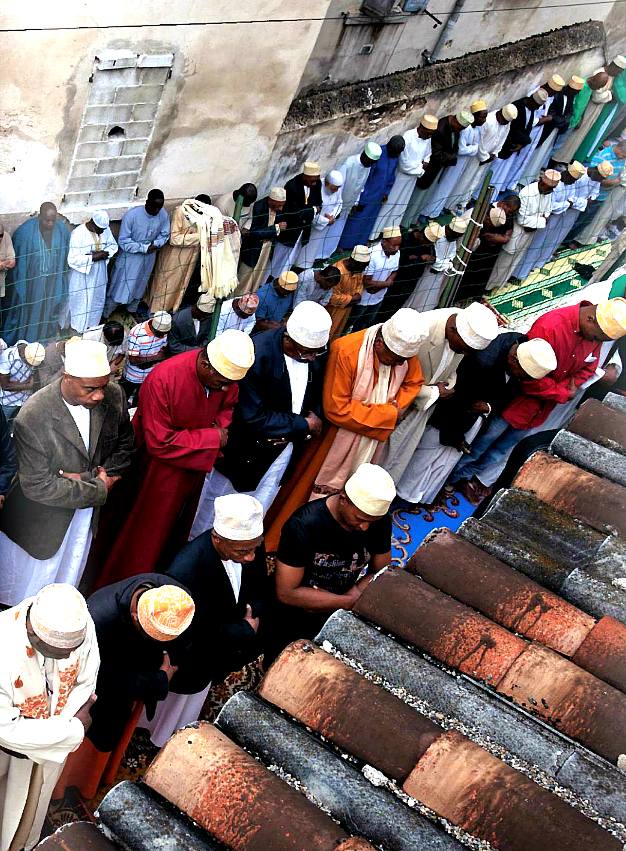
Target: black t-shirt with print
(332,557)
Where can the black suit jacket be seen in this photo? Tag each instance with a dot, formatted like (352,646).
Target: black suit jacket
(41,503)
(298,212)
(252,239)
(519,130)
(263,422)
(561,111)
(182,335)
(221,639)
(130,661)
(445,146)
(481,376)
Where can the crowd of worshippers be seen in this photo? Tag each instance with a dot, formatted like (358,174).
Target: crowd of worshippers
(133,550)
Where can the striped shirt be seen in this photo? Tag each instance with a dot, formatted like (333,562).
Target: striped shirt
(142,342)
(11,364)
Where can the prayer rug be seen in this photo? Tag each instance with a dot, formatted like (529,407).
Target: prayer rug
(410,526)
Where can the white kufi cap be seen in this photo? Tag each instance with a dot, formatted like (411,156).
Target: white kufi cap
(238,517)
(335,177)
(309,325)
(536,357)
(371,489)
(86,359)
(477,325)
(59,616)
(100,218)
(277,193)
(34,354)
(161,321)
(404,332)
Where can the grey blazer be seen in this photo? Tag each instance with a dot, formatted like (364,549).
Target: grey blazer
(182,335)
(41,503)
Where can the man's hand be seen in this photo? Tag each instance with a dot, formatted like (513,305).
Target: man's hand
(83,714)
(444,392)
(2,501)
(314,423)
(75,477)
(572,389)
(351,596)
(356,298)
(152,247)
(168,669)
(282,225)
(223,437)
(481,408)
(331,219)
(109,481)
(610,377)
(254,622)
(99,255)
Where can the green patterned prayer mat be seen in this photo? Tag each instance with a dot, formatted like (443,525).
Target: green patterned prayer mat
(548,287)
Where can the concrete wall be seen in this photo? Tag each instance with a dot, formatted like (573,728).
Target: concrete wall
(330,125)
(220,111)
(482,24)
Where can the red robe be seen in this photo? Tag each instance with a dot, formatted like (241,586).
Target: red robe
(176,430)
(576,358)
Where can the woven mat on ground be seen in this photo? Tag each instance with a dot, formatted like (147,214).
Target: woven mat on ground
(410,526)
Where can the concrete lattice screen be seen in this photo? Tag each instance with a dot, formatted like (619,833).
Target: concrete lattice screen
(476,699)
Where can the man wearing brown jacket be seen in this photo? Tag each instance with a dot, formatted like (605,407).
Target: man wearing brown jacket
(73,442)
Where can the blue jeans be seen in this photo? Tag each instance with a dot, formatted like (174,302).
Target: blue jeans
(494,445)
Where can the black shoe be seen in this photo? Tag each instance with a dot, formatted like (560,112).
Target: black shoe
(583,270)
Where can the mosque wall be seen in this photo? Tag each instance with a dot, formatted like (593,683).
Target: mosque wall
(330,125)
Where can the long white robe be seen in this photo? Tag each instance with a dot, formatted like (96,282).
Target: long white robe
(46,741)
(447,192)
(324,236)
(426,294)
(87,280)
(492,136)
(411,163)
(521,172)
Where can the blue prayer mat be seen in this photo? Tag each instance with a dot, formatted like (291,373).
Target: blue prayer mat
(409,526)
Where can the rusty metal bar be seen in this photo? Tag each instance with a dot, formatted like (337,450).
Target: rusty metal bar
(603,652)
(79,836)
(601,424)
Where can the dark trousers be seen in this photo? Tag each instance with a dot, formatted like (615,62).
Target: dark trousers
(364,315)
(131,390)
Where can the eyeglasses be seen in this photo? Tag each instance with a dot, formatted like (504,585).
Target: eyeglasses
(308,354)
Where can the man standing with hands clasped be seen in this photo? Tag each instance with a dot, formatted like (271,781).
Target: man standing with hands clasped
(73,441)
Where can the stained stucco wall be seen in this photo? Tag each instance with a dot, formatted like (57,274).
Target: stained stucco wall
(230,89)
(330,125)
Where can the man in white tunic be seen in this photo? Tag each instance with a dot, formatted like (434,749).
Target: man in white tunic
(91,247)
(430,286)
(378,276)
(279,409)
(452,333)
(326,226)
(527,164)
(492,136)
(47,680)
(414,157)
(533,214)
(355,171)
(73,441)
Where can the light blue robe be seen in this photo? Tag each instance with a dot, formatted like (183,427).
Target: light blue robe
(134,265)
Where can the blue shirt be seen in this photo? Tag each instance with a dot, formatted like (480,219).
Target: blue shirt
(607,155)
(271,305)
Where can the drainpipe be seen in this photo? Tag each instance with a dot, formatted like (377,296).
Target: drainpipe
(446,32)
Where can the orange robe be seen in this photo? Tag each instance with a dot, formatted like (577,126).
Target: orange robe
(339,306)
(342,411)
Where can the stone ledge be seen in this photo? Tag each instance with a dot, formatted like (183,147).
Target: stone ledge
(414,84)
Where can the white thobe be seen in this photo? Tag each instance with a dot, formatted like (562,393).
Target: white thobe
(491,138)
(546,241)
(324,236)
(215,484)
(355,176)
(24,575)
(525,160)
(426,294)
(414,157)
(87,281)
(448,188)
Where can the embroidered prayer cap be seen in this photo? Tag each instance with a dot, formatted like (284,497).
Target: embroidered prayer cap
(434,231)
(477,325)
(430,122)
(309,325)
(206,303)
(231,353)
(311,169)
(458,224)
(165,613)
(605,168)
(371,489)
(551,177)
(497,216)
(404,332)
(540,96)
(34,354)
(86,359)
(59,616)
(100,218)
(335,177)
(288,281)
(536,357)
(361,253)
(509,112)
(161,321)
(576,83)
(277,193)
(238,517)
(576,169)
(556,82)
(479,106)
(611,316)
(392,232)
(248,302)
(620,61)
(373,151)
(464,117)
